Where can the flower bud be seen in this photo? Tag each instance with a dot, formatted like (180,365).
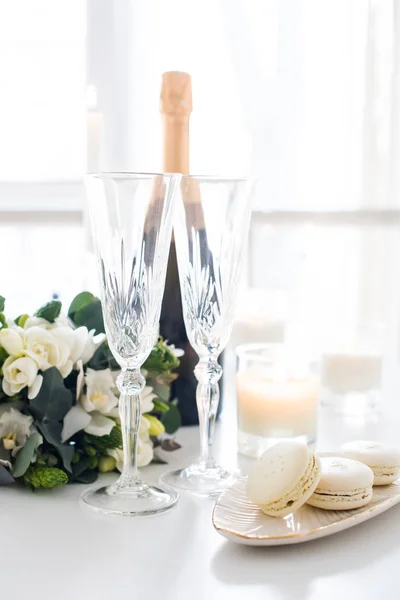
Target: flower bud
(106,464)
(156,427)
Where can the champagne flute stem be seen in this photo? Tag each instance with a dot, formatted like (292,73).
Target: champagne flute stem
(208,372)
(130,415)
(130,383)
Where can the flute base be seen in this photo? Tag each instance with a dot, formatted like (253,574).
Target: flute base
(200,479)
(135,500)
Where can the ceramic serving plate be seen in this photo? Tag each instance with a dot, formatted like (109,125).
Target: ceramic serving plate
(241,521)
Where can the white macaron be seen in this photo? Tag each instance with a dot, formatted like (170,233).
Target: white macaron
(345,484)
(382,459)
(283,478)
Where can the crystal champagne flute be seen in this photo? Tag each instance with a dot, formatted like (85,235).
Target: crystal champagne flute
(211,227)
(131,217)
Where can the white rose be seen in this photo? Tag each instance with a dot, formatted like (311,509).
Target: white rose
(19,373)
(37,322)
(61,321)
(12,341)
(44,348)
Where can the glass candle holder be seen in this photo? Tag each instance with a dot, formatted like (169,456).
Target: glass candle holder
(277,397)
(351,372)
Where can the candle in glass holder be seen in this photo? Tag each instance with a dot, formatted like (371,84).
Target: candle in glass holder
(351,382)
(274,402)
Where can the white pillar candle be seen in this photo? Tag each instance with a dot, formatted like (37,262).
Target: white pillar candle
(256,328)
(271,407)
(351,372)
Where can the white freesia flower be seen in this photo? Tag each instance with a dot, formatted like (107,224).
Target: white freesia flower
(14,429)
(147,397)
(144,448)
(12,341)
(94,411)
(19,373)
(92,343)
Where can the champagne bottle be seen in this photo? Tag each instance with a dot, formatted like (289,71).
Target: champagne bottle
(176,106)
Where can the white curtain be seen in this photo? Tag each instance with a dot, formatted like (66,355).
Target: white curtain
(303,93)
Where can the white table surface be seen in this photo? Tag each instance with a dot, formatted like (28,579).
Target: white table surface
(51,548)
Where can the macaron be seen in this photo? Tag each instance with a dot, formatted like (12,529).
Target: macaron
(283,478)
(383,460)
(344,484)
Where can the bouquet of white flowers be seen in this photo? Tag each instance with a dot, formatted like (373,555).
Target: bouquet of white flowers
(59,401)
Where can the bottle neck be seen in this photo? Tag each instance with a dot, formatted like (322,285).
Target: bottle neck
(176,144)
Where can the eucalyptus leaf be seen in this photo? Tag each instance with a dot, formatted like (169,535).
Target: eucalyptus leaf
(90,316)
(101,358)
(171,419)
(54,400)
(5,476)
(51,431)
(25,455)
(88,476)
(162,390)
(49,311)
(79,302)
(80,467)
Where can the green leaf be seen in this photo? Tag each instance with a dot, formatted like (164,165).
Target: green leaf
(51,431)
(21,320)
(171,419)
(2,303)
(162,390)
(49,311)
(161,359)
(79,302)
(5,476)
(88,476)
(25,455)
(86,310)
(80,467)
(54,400)
(101,359)
(105,442)
(3,355)
(91,316)
(160,407)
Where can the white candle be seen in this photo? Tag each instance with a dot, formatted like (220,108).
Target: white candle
(95,132)
(351,372)
(271,407)
(257,328)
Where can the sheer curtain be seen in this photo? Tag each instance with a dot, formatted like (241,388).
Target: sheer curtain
(302,93)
